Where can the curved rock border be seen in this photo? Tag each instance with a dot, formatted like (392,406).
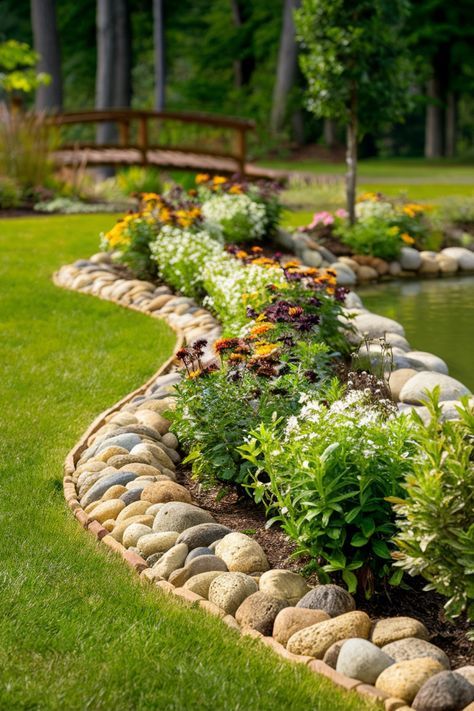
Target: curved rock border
(98,276)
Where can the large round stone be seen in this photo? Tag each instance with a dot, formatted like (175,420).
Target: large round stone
(344,274)
(446,691)
(178,516)
(156,543)
(241,553)
(200,583)
(161,492)
(429,361)
(104,483)
(410,259)
(133,532)
(203,535)
(464,257)
(360,659)
(414,648)
(284,585)
(331,598)
(467,672)
(316,640)
(404,679)
(413,392)
(397,380)
(393,628)
(120,528)
(293,619)
(202,564)
(171,560)
(373,326)
(229,590)
(142,469)
(259,611)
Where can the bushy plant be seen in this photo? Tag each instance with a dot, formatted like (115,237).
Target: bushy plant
(10,193)
(435,516)
(237,218)
(325,476)
(181,257)
(373,236)
(138,179)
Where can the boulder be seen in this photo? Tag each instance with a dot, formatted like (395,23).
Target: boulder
(393,628)
(446,691)
(413,392)
(241,553)
(259,611)
(410,259)
(316,640)
(360,659)
(312,257)
(429,361)
(414,648)
(344,274)
(404,679)
(397,380)
(293,619)
(467,672)
(447,264)
(373,326)
(464,257)
(284,585)
(229,590)
(330,598)
(178,516)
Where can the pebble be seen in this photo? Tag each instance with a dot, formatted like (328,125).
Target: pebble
(414,648)
(203,535)
(171,560)
(331,598)
(162,492)
(229,590)
(259,611)
(177,516)
(293,619)
(316,640)
(446,691)
(404,679)
(284,585)
(360,659)
(241,553)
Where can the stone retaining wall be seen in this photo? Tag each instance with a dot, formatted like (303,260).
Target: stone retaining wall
(120,483)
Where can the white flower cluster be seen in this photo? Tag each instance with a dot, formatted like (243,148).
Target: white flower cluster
(228,283)
(181,256)
(235,217)
(374,208)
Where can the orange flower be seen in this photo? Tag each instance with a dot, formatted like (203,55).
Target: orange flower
(202,178)
(241,254)
(260,330)
(236,190)
(256,250)
(219,180)
(408,239)
(236,357)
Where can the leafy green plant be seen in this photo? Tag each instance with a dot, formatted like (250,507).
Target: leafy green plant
(325,475)
(373,236)
(17,68)
(435,516)
(10,193)
(137,179)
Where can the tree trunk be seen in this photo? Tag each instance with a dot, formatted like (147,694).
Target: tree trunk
(159,42)
(105,77)
(351,160)
(329,133)
(286,67)
(123,50)
(433,124)
(450,126)
(46,43)
(238,69)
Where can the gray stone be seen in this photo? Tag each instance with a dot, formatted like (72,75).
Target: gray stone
(467,672)
(177,516)
(312,257)
(259,611)
(463,256)
(100,487)
(413,392)
(127,441)
(360,659)
(414,648)
(397,341)
(373,326)
(353,301)
(229,590)
(394,268)
(171,560)
(331,598)
(196,552)
(429,361)
(202,564)
(410,259)
(132,495)
(446,691)
(284,585)
(203,535)
(153,558)
(344,274)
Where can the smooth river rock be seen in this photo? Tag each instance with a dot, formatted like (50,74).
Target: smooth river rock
(413,392)
(404,679)
(464,257)
(393,628)
(161,492)
(410,259)
(330,598)
(446,691)
(241,553)
(171,560)
(202,564)
(293,619)
(360,659)
(203,535)
(133,533)
(283,584)
(414,648)
(178,516)
(259,611)
(156,543)
(229,590)
(429,361)
(101,486)
(200,583)
(374,326)
(316,640)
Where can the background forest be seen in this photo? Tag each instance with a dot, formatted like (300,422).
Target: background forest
(239,57)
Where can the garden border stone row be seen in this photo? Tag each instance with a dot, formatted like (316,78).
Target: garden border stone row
(99,277)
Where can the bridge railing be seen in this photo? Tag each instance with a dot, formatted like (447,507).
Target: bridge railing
(145,131)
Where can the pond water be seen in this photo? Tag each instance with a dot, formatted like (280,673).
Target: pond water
(438,317)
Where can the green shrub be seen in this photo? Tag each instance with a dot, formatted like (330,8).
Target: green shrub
(435,518)
(373,236)
(137,179)
(10,193)
(325,475)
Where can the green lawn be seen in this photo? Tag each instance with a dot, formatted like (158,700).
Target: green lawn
(78,631)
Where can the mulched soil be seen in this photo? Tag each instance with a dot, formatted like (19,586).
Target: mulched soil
(242,514)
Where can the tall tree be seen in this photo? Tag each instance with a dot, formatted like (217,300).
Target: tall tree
(46,43)
(357,68)
(286,68)
(159,53)
(123,55)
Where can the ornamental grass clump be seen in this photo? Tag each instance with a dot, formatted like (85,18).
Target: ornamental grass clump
(324,475)
(435,516)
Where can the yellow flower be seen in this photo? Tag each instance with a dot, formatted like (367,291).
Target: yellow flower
(265,349)
(151,197)
(194,374)
(407,238)
(219,180)
(371,197)
(393,231)
(260,330)
(202,178)
(241,254)
(236,190)
(165,214)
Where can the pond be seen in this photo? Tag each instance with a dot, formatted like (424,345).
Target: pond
(438,317)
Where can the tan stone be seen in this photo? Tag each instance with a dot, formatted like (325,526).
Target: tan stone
(133,533)
(365,273)
(141,469)
(315,640)
(110,452)
(154,420)
(293,619)
(121,527)
(109,524)
(447,264)
(161,492)
(137,508)
(397,380)
(107,509)
(241,553)
(201,582)
(156,543)
(115,492)
(284,584)
(393,628)
(405,679)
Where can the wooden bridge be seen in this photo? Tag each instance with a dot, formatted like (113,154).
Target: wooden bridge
(169,140)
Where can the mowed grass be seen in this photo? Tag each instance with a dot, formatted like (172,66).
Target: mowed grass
(78,631)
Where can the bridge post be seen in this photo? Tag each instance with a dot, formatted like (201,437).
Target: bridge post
(124,133)
(143,137)
(241,150)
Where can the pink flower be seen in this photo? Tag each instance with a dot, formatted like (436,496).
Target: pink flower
(341,213)
(321,218)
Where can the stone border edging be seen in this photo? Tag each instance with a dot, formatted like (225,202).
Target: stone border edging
(139,564)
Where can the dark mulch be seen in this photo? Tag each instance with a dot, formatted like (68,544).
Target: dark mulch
(241,514)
